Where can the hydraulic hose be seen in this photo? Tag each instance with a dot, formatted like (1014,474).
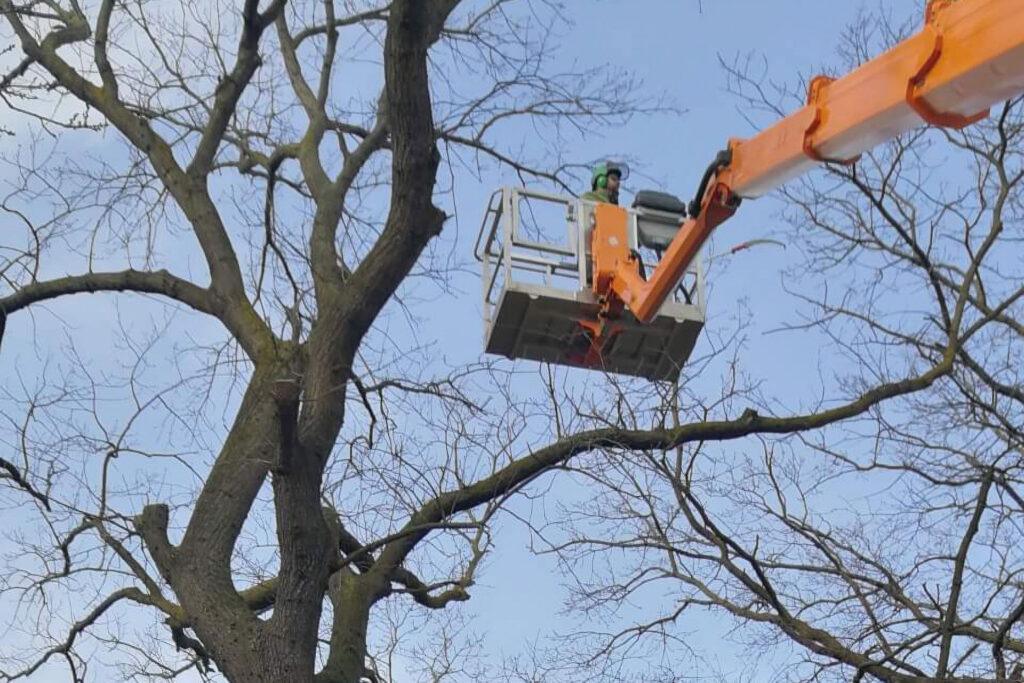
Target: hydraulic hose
(722,159)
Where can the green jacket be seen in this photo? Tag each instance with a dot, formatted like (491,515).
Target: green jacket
(600,195)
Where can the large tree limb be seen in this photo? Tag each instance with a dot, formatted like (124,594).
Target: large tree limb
(412,220)
(527,468)
(232,85)
(100,54)
(199,568)
(160,282)
(309,148)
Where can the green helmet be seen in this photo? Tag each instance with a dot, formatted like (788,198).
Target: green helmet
(600,173)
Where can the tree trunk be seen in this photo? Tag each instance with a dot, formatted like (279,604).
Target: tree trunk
(352,598)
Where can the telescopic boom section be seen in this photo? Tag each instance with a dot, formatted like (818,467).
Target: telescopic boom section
(968,57)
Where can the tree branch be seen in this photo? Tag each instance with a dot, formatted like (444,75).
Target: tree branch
(232,85)
(949,622)
(14,474)
(525,469)
(189,192)
(143,282)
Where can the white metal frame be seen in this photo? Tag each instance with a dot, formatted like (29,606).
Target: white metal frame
(505,253)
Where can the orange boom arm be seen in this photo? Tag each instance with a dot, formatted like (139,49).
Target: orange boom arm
(968,56)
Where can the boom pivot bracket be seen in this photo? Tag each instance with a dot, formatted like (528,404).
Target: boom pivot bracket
(932,43)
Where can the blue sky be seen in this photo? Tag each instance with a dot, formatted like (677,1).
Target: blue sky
(674,45)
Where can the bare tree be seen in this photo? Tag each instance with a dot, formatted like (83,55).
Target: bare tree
(884,547)
(261,514)
(298,146)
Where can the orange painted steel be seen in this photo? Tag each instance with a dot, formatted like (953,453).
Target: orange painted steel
(617,278)
(610,248)
(968,56)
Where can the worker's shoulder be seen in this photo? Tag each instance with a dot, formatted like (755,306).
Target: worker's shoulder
(595,196)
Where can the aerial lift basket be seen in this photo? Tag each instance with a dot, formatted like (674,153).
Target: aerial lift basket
(537,296)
